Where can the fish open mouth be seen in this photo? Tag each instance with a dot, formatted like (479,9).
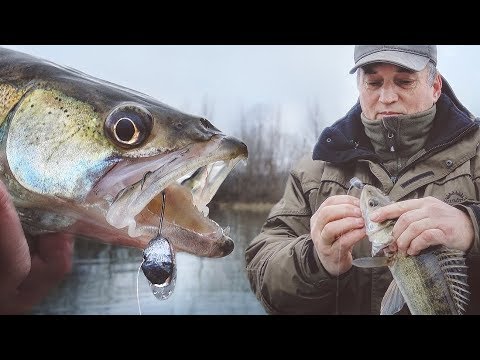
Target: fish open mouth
(189,178)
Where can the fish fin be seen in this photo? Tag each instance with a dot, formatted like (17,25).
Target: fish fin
(370,262)
(392,301)
(453,266)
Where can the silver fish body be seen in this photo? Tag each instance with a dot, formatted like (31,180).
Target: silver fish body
(433,282)
(85,156)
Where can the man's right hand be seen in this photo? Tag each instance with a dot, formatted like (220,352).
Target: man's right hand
(335,228)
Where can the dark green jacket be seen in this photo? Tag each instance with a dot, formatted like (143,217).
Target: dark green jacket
(282,265)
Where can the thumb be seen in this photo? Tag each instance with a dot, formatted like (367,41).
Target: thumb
(14,252)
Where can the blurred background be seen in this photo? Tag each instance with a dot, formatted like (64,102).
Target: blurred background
(277,99)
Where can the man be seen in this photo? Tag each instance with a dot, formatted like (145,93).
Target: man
(408,135)
(26,275)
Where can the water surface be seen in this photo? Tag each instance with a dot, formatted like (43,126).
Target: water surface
(104,279)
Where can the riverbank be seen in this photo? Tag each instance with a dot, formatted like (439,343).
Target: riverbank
(243,206)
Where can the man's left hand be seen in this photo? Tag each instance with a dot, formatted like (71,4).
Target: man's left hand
(426,222)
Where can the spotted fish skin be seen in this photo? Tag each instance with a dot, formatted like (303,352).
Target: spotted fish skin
(433,282)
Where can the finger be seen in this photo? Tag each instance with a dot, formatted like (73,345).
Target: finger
(393,211)
(348,240)
(335,212)
(336,229)
(407,219)
(426,239)
(413,231)
(50,264)
(340,199)
(14,252)
(393,247)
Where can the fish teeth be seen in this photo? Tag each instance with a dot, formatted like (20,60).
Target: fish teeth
(204,210)
(226,231)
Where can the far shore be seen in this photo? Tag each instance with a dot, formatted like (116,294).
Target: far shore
(245,206)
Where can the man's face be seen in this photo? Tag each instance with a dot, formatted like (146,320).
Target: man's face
(387,89)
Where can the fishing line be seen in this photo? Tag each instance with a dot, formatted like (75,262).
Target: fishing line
(358,184)
(138,297)
(337,295)
(162,213)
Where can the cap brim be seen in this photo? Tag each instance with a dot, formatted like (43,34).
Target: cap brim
(403,59)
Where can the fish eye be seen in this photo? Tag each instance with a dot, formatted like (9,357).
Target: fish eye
(125,130)
(128,126)
(372,202)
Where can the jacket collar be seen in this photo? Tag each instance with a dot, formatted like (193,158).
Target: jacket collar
(346,141)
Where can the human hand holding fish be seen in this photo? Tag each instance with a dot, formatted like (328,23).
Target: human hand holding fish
(426,222)
(336,227)
(434,281)
(25,277)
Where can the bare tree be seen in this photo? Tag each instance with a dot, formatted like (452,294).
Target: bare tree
(208,108)
(271,154)
(315,120)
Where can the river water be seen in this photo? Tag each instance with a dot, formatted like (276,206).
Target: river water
(104,279)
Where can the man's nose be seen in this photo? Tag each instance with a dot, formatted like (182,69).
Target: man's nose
(388,94)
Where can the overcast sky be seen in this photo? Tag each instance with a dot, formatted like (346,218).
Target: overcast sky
(232,77)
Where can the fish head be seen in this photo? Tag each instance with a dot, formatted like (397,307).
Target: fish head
(379,234)
(183,157)
(92,158)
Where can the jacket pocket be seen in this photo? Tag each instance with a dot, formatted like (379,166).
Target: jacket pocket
(454,188)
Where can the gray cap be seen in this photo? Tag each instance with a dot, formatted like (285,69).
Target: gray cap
(413,57)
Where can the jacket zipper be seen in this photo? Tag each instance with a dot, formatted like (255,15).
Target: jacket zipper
(391,144)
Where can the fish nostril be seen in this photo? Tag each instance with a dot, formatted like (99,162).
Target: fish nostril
(373,202)
(206,123)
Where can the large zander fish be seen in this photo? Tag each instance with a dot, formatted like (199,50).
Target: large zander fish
(433,282)
(85,156)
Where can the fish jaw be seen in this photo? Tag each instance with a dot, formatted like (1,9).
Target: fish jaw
(130,198)
(379,234)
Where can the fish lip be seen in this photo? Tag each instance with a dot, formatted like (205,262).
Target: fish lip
(135,198)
